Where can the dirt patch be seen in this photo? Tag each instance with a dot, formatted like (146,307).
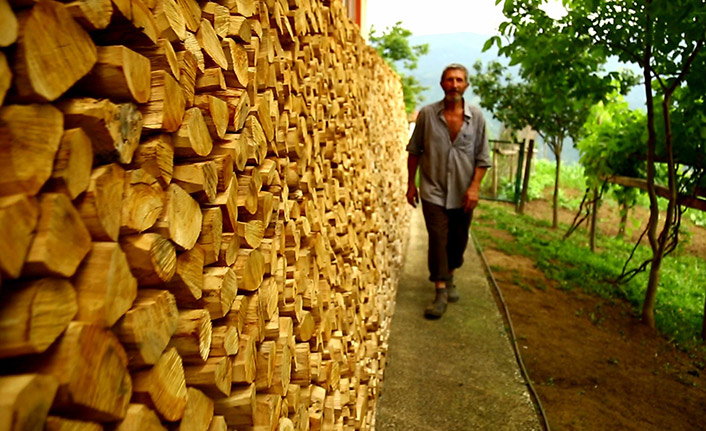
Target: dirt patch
(594,365)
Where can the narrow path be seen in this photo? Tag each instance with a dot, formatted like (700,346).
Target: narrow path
(457,373)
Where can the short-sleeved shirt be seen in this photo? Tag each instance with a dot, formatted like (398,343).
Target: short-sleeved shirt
(447,167)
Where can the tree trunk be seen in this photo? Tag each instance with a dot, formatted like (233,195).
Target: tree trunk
(555,202)
(624,210)
(594,219)
(526,179)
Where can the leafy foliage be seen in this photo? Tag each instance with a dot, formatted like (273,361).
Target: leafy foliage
(394,47)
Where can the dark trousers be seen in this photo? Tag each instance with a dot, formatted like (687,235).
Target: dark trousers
(448,236)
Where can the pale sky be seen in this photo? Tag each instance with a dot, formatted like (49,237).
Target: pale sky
(441,16)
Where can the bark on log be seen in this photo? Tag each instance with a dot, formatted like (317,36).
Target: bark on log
(33,314)
(61,240)
(29,139)
(104,285)
(53,52)
(114,129)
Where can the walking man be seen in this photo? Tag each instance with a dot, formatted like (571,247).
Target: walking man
(450,146)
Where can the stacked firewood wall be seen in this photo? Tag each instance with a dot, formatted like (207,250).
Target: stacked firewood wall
(202,215)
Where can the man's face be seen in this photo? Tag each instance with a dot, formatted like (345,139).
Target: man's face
(454,84)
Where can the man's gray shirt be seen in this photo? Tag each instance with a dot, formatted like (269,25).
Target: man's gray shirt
(447,167)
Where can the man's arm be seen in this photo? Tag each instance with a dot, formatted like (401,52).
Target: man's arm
(412,193)
(472,195)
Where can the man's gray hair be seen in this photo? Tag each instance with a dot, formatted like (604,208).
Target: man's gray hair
(455,66)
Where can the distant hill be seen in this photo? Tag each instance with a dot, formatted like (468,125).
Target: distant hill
(466,48)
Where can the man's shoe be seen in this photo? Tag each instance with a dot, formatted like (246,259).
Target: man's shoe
(437,308)
(451,291)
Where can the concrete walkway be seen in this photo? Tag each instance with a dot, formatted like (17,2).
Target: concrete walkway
(457,373)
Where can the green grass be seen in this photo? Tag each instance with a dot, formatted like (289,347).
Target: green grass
(679,307)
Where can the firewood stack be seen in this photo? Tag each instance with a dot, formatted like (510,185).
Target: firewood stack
(202,215)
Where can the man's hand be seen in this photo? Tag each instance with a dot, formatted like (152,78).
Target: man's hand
(412,195)
(470,199)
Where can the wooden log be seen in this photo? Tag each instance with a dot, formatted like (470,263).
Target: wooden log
(211,234)
(239,408)
(18,218)
(133,23)
(152,258)
(214,377)
(301,372)
(61,240)
(181,219)
(156,156)
(91,367)
(9,28)
(147,327)
(33,314)
(165,109)
(199,179)
(139,417)
(265,364)
(192,138)
(72,165)
(267,411)
(192,338)
(25,400)
(236,75)
(211,45)
(218,15)
(187,283)
(211,80)
(29,139)
(104,285)
(250,269)
(163,386)
(120,74)
(218,423)
(53,52)
(161,55)
(228,203)
(5,74)
(216,116)
(114,129)
(252,232)
(244,364)
(192,13)
(143,202)
(101,206)
(169,17)
(230,246)
(188,68)
(224,340)
(92,15)
(219,290)
(56,423)
(192,46)
(198,412)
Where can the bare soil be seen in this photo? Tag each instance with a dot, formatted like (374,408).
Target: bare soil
(593,364)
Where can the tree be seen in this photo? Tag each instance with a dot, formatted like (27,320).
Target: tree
(563,77)
(394,47)
(665,39)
